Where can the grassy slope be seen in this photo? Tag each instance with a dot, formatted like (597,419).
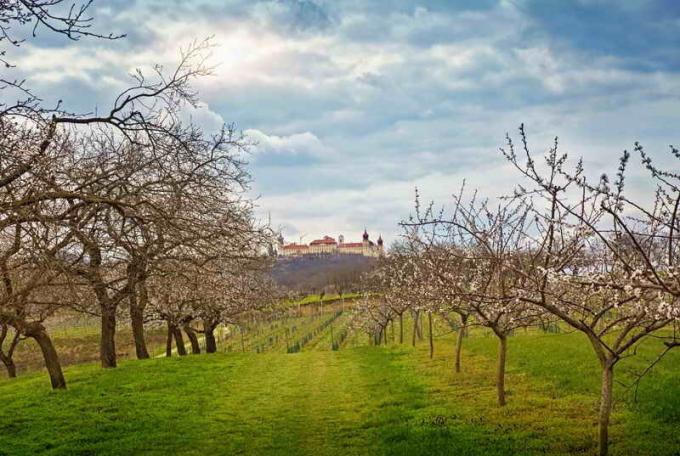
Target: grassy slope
(355,401)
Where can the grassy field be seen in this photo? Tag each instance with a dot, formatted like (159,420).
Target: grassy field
(358,400)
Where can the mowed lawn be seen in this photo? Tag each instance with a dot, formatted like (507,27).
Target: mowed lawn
(363,400)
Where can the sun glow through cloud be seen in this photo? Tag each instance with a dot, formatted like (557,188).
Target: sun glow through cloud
(370,97)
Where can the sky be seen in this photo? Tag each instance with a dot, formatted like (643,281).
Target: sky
(352,104)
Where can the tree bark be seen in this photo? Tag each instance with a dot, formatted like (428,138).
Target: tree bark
(193,339)
(38,333)
(500,374)
(415,328)
(179,341)
(606,395)
(8,358)
(419,326)
(401,328)
(107,347)
(137,306)
(168,341)
(459,341)
(429,325)
(9,365)
(210,342)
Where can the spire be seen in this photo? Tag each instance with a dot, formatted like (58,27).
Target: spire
(380,240)
(365,235)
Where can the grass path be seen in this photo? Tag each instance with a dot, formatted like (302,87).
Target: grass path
(363,400)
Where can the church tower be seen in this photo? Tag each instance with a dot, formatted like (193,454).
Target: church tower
(365,244)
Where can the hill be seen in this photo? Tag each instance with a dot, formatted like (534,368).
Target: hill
(316,272)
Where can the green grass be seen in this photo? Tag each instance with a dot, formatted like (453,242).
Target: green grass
(327,299)
(359,400)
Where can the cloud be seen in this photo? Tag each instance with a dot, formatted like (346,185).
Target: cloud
(353,103)
(297,15)
(300,149)
(201,115)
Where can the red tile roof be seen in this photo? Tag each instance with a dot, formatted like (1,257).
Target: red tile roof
(327,240)
(295,247)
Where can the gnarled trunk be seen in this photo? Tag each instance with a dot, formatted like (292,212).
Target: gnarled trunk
(193,339)
(210,342)
(179,341)
(459,340)
(500,373)
(107,346)
(168,341)
(8,358)
(9,365)
(38,333)
(137,306)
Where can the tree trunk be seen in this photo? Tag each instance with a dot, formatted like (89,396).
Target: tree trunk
(193,339)
(137,322)
(500,375)
(419,326)
(401,328)
(9,365)
(107,347)
(210,342)
(415,328)
(168,341)
(429,325)
(179,341)
(459,340)
(50,356)
(137,307)
(606,395)
(8,358)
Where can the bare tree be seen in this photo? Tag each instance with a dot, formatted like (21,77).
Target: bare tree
(606,275)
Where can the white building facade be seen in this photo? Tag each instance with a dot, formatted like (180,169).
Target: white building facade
(329,246)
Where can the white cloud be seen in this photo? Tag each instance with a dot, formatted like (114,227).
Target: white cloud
(203,116)
(351,110)
(305,143)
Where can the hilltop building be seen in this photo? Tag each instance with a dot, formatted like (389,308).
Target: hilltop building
(329,246)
